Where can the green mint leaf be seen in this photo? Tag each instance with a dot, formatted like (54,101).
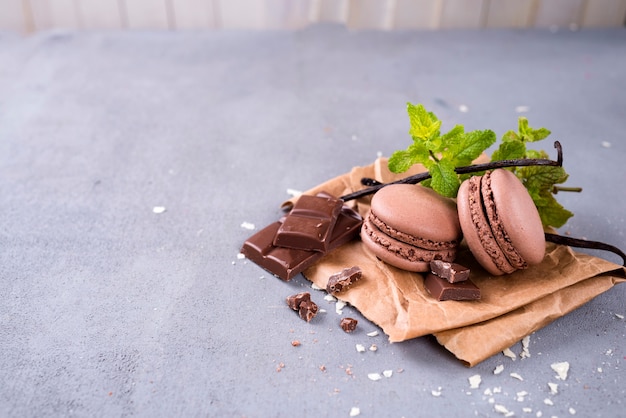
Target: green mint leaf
(466,148)
(510,150)
(424,124)
(528,134)
(401,161)
(444,181)
(551,212)
(510,136)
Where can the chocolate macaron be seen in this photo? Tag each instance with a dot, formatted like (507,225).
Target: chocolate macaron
(410,225)
(500,222)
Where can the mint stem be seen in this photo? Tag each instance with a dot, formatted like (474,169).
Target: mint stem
(583,243)
(557,189)
(417,178)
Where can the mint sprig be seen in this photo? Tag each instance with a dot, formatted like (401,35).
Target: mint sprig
(443,154)
(440,154)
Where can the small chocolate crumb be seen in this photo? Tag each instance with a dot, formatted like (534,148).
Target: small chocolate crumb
(341,281)
(348,324)
(294,301)
(295,343)
(308,309)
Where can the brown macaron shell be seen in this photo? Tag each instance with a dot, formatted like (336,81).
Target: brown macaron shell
(500,222)
(476,229)
(410,225)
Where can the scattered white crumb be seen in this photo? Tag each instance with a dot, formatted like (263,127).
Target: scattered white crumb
(437,392)
(522,109)
(360,348)
(491,401)
(510,354)
(599,369)
(158,209)
(463,109)
(527,410)
(474,381)
(247,225)
(330,298)
(487,392)
(294,192)
(619,316)
(315,287)
(339,306)
(499,369)
(497,389)
(322,310)
(516,376)
(373,347)
(561,369)
(606,144)
(609,352)
(240,256)
(539,414)
(548,401)
(501,409)
(525,351)
(354,411)
(374,376)
(572,411)
(372,334)
(554,388)
(387,373)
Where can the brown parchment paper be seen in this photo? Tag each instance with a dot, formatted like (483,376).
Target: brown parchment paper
(511,307)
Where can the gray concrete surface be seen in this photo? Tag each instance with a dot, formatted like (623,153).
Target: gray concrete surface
(109,309)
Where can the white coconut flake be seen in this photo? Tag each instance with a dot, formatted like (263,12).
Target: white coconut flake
(499,369)
(497,389)
(516,376)
(487,392)
(501,409)
(373,347)
(527,410)
(330,298)
(548,401)
(355,411)
(294,192)
(374,376)
(474,381)
(521,395)
(315,287)
(619,316)
(599,369)
(339,306)
(572,411)
(240,256)
(158,209)
(525,350)
(561,369)
(247,225)
(372,334)
(360,348)
(510,354)
(387,373)
(554,388)
(436,392)
(539,414)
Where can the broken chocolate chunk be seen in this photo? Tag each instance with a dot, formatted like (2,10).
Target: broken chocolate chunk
(310,223)
(348,324)
(452,272)
(294,301)
(308,309)
(441,289)
(339,282)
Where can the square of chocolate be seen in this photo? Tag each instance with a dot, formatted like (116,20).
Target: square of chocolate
(452,272)
(309,224)
(441,289)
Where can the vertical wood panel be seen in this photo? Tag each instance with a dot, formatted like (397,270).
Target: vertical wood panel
(462,14)
(333,10)
(48,14)
(414,14)
(193,14)
(367,14)
(100,14)
(559,13)
(509,13)
(147,14)
(13,16)
(264,14)
(604,13)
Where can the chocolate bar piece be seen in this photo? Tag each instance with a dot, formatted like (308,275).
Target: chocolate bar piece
(288,262)
(441,289)
(452,272)
(348,324)
(339,282)
(309,224)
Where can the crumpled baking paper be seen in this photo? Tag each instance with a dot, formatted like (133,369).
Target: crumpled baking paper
(511,307)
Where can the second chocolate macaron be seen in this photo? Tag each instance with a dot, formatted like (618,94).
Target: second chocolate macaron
(410,225)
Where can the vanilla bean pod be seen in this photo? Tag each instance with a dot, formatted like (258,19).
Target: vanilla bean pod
(583,243)
(417,178)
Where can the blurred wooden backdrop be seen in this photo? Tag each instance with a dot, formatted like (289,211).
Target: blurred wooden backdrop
(27,16)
